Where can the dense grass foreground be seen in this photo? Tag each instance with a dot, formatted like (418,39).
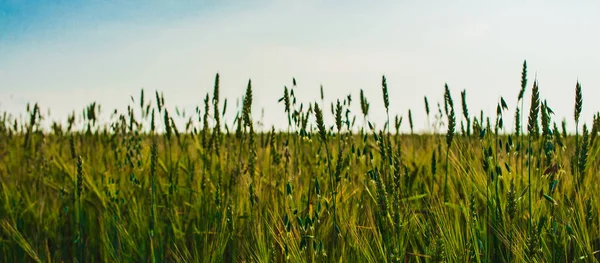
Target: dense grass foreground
(124,192)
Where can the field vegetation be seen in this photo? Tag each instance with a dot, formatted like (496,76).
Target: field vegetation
(142,189)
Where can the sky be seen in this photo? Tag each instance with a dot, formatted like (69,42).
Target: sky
(65,55)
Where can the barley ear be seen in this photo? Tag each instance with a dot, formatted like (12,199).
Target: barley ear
(338,116)
(247,106)
(451,116)
(320,124)
(426,106)
(578,102)
(532,125)
(523,80)
(410,120)
(386,97)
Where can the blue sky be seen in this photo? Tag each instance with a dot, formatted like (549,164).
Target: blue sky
(65,55)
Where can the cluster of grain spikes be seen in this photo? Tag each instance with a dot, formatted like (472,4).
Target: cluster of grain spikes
(364,107)
(386,101)
(532,129)
(465,108)
(519,122)
(449,107)
(216,133)
(80,215)
(153,182)
(578,109)
(247,118)
(205,128)
(332,181)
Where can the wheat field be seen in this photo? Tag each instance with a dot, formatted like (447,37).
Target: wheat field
(142,189)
